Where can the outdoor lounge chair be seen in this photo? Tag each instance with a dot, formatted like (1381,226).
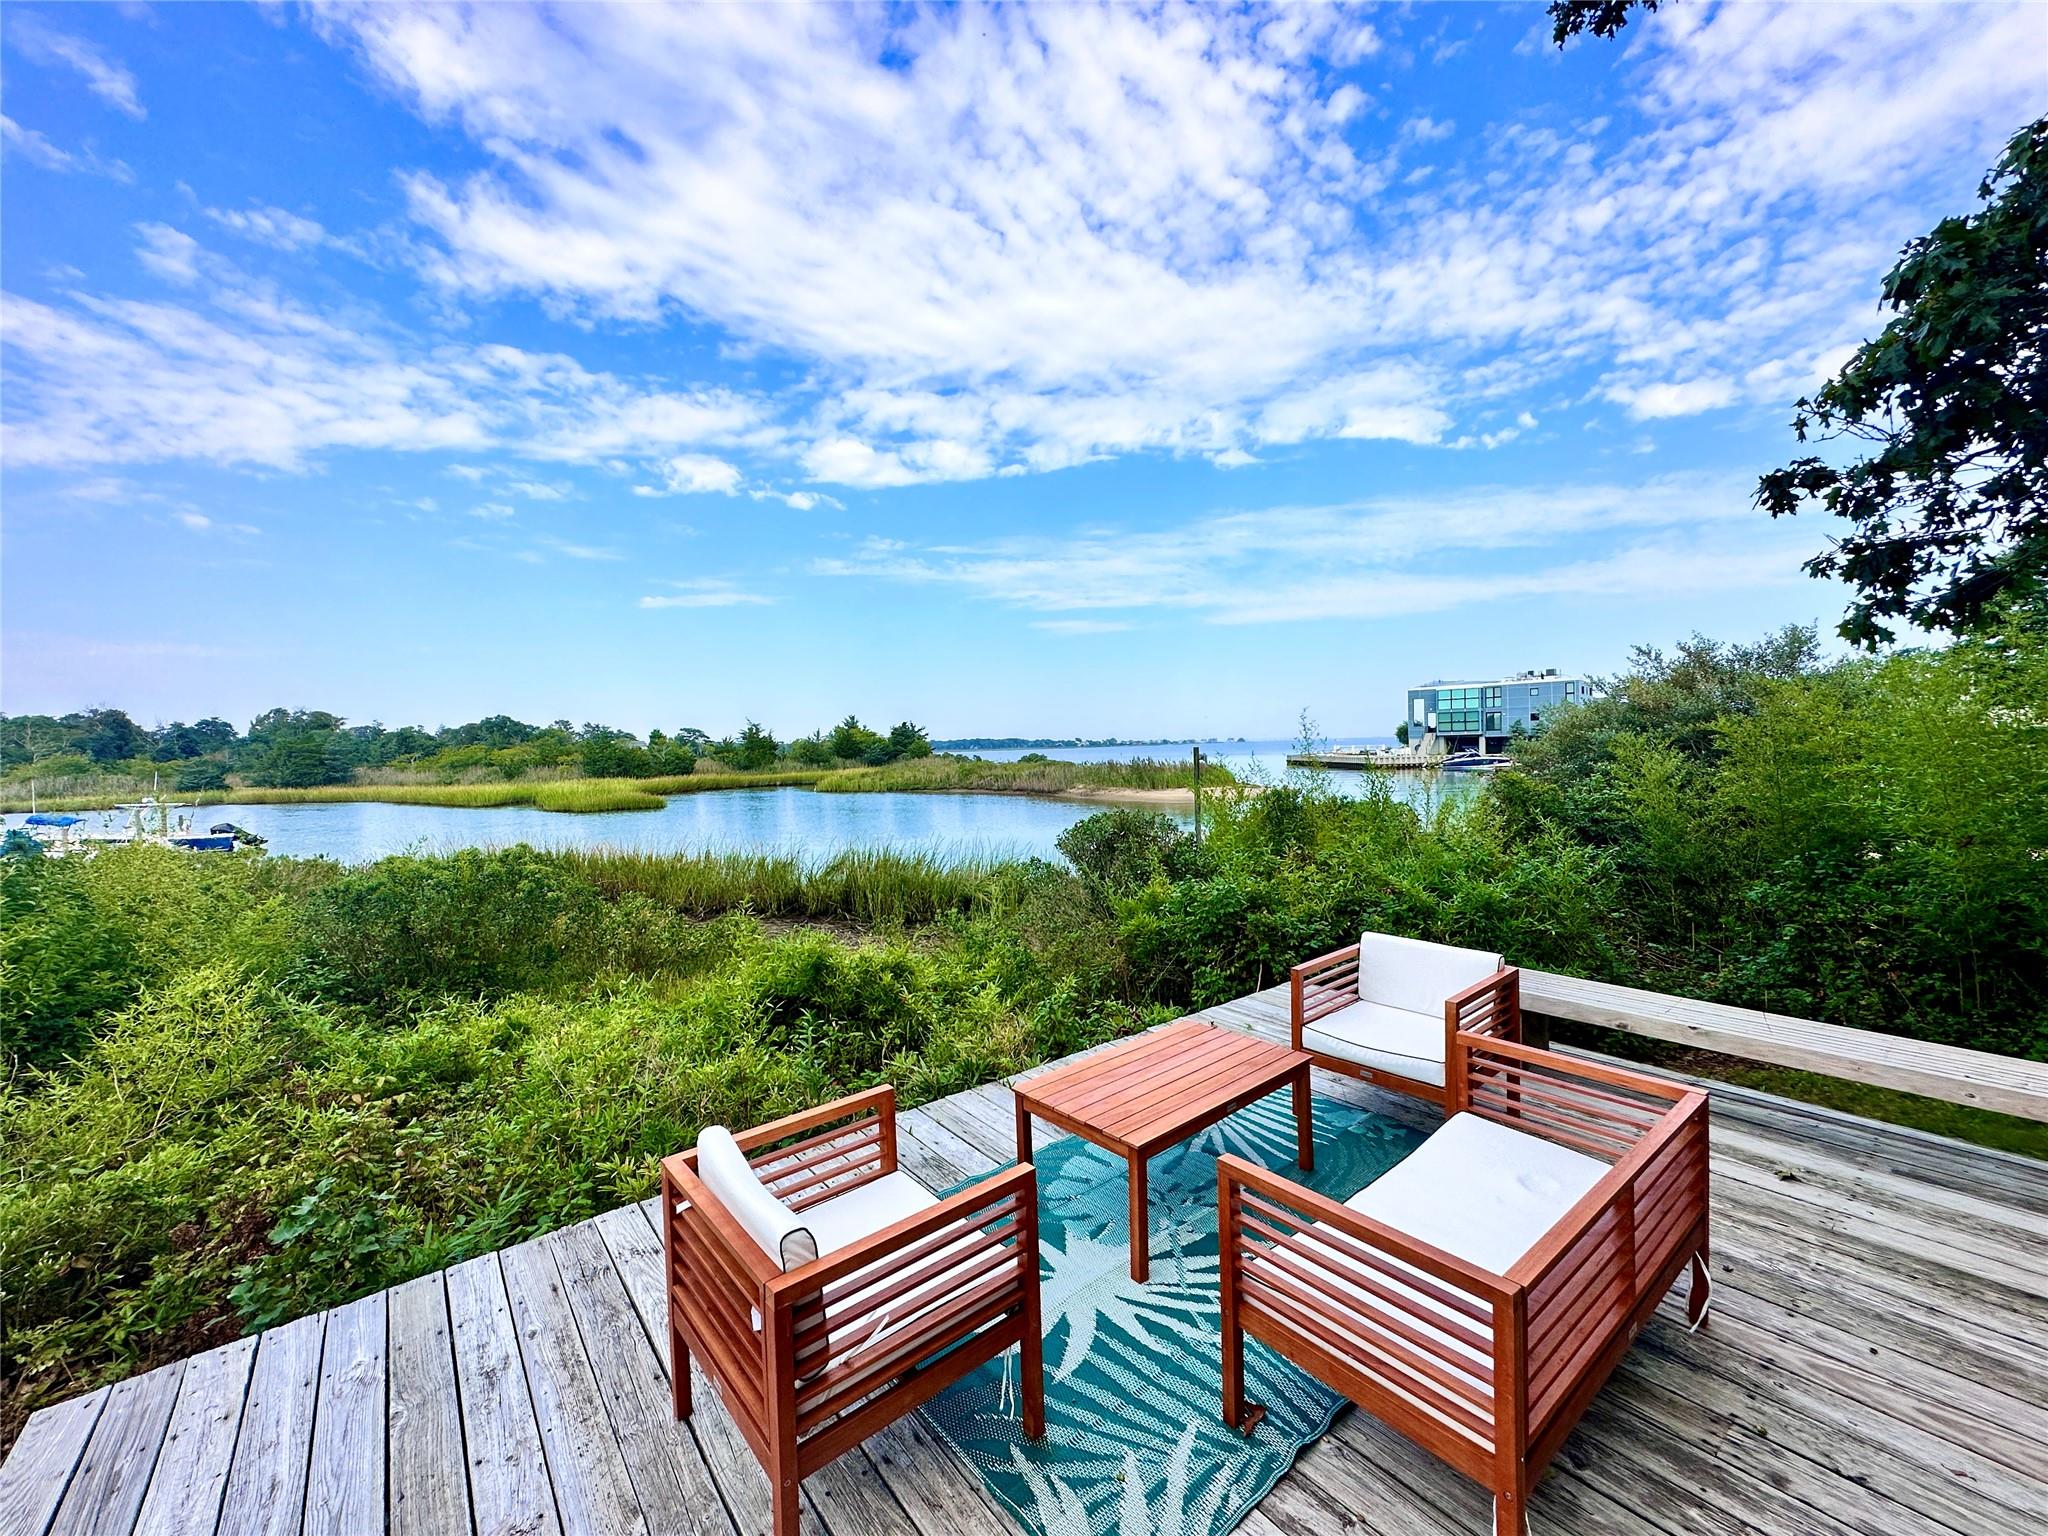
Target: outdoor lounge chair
(1476,1296)
(827,1293)
(1385,1009)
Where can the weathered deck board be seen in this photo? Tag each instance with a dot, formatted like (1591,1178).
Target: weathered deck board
(267,1479)
(192,1471)
(36,1473)
(345,1474)
(1873,1366)
(429,1485)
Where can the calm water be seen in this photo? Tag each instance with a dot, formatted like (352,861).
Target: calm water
(793,821)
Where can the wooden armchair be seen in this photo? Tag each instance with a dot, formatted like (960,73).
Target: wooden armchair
(880,1294)
(1475,1297)
(1386,1009)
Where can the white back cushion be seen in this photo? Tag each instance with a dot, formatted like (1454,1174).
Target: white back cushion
(1416,975)
(726,1173)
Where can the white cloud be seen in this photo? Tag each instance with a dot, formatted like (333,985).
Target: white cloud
(699,474)
(270,226)
(1013,240)
(470,472)
(1368,558)
(169,253)
(1654,402)
(104,77)
(243,376)
(199,522)
(1082,626)
(705,592)
(1232,458)
(539,490)
(492,511)
(37,148)
(580,551)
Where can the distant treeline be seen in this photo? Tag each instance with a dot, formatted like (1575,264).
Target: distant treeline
(305,748)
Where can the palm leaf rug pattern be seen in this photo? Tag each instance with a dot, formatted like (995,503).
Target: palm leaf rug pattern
(1135,1443)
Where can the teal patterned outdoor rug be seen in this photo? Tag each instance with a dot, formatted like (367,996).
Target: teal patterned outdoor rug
(1135,1442)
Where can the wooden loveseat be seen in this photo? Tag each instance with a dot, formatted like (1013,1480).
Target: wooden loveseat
(827,1293)
(1386,1009)
(1475,1297)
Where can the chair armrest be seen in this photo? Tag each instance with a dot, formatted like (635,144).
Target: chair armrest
(1321,986)
(1492,1007)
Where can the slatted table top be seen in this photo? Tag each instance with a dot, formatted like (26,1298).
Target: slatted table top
(1153,1090)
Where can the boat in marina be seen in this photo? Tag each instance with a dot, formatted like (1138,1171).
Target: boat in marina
(148,820)
(1476,762)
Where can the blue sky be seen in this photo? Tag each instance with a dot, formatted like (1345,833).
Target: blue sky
(1047,370)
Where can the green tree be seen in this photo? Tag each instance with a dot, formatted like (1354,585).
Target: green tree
(853,741)
(907,740)
(756,748)
(1602,18)
(110,736)
(1949,512)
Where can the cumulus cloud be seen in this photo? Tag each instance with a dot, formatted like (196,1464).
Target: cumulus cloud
(699,474)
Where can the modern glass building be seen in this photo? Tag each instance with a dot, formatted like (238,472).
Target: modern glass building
(1484,714)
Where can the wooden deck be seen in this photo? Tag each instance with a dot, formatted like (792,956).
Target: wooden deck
(1873,1368)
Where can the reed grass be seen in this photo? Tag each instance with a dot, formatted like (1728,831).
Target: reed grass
(1053,777)
(865,885)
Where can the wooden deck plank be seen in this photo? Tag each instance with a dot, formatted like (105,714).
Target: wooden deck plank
(345,1474)
(191,1474)
(509,1492)
(39,1468)
(266,1492)
(674,1486)
(106,1493)
(593,1491)
(429,1478)
(635,1246)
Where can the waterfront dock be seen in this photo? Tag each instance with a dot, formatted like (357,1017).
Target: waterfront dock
(1393,759)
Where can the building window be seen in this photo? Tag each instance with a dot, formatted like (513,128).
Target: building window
(1535,715)
(1534,692)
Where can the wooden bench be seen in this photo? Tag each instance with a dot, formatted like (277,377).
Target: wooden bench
(2010,1085)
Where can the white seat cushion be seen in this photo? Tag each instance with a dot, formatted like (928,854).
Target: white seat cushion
(1395,1040)
(783,1236)
(1418,976)
(866,1209)
(1480,1190)
(1477,1190)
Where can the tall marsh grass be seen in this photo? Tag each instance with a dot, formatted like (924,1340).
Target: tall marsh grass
(867,886)
(1033,778)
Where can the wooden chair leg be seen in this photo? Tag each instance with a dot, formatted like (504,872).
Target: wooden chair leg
(1509,1517)
(1699,1292)
(679,1373)
(1031,1366)
(788,1510)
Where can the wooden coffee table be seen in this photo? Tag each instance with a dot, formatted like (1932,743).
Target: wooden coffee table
(1150,1092)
